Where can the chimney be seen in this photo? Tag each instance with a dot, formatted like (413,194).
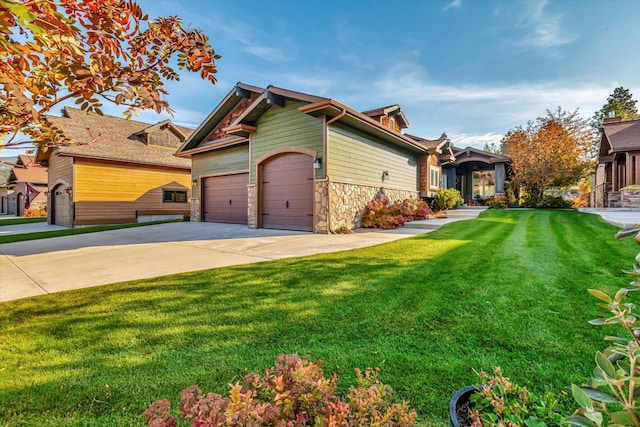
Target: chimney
(616,119)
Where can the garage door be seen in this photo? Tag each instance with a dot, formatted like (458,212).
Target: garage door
(61,207)
(287,192)
(225,198)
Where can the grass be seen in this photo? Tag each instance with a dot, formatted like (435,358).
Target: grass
(507,289)
(12,238)
(16,221)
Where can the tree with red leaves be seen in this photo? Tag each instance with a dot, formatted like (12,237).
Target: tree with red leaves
(89,51)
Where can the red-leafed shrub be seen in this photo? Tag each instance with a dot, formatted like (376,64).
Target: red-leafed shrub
(293,393)
(382,214)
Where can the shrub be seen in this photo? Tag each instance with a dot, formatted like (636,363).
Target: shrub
(549,202)
(35,212)
(447,199)
(497,203)
(292,393)
(382,214)
(503,403)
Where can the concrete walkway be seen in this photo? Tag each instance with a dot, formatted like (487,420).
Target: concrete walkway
(58,264)
(620,217)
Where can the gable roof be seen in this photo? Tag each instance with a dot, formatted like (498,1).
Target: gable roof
(260,100)
(620,136)
(26,160)
(470,154)
(390,110)
(34,175)
(112,138)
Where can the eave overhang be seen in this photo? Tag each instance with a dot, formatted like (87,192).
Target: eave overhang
(239,92)
(214,145)
(333,109)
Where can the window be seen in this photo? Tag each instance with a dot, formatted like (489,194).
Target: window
(174,196)
(434,175)
(483,184)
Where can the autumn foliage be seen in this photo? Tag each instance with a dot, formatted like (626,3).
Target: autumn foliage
(89,51)
(550,152)
(293,393)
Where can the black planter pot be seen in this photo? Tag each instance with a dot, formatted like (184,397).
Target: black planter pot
(460,398)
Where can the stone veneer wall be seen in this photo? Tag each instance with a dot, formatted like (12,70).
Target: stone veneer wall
(347,202)
(321,206)
(630,198)
(252,209)
(195,210)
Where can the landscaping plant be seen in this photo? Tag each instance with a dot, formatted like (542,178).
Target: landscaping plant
(503,403)
(447,199)
(292,393)
(612,397)
(386,215)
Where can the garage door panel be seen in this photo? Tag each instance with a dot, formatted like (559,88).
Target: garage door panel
(225,198)
(287,192)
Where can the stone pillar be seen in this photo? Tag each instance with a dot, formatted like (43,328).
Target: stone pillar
(195,210)
(321,206)
(499,179)
(252,208)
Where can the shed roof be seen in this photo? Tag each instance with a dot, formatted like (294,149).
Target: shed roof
(112,138)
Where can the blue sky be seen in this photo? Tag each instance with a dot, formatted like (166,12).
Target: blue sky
(471,68)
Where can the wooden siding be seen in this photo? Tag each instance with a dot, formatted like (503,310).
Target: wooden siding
(219,161)
(356,158)
(109,192)
(60,169)
(282,127)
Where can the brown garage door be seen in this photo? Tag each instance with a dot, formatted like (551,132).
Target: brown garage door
(225,198)
(287,192)
(60,199)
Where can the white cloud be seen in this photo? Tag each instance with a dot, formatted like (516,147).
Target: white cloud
(455,4)
(251,39)
(463,140)
(542,29)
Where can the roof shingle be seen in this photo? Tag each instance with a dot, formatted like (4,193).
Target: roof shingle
(113,138)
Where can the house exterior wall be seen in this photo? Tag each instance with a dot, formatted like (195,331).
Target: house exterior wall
(40,200)
(231,159)
(113,192)
(60,171)
(347,202)
(355,165)
(286,127)
(355,158)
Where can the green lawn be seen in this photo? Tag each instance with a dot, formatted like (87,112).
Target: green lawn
(11,238)
(508,289)
(4,220)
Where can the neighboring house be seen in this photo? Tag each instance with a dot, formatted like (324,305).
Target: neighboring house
(26,187)
(618,164)
(478,175)
(115,171)
(276,158)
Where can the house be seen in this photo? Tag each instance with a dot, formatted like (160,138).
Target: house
(115,171)
(478,175)
(26,187)
(618,164)
(276,158)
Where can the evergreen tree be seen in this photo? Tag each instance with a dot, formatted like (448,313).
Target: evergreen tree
(621,104)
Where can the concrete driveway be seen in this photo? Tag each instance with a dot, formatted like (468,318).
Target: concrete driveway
(45,266)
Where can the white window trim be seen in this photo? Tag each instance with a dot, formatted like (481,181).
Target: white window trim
(437,171)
